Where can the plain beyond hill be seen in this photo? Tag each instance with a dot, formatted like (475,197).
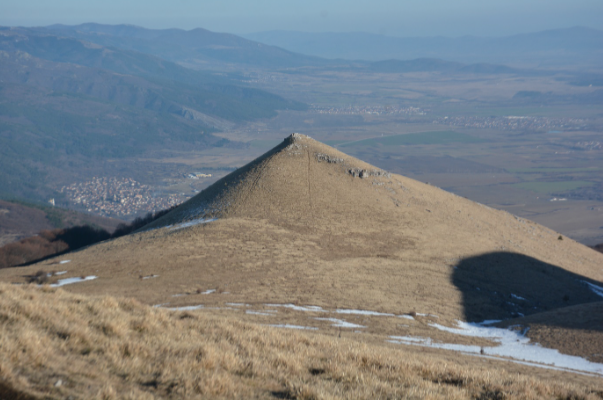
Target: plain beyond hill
(576,47)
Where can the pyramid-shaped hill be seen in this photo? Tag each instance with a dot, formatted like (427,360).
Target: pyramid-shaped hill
(301,181)
(307,224)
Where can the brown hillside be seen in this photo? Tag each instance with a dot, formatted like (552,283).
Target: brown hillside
(18,220)
(307,224)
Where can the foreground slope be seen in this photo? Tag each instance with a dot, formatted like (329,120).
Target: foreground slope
(57,345)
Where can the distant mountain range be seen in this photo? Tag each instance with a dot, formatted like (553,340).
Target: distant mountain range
(560,48)
(198,47)
(200,50)
(122,61)
(68,101)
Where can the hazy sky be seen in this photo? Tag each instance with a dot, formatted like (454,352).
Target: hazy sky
(390,17)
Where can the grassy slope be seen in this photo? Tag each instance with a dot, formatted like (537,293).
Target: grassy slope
(294,229)
(55,345)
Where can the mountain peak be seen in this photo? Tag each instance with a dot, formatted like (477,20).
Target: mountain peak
(298,179)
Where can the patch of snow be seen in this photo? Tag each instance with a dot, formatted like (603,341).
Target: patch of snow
(288,326)
(298,308)
(364,312)
(160,305)
(193,223)
(150,276)
(594,288)
(69,281)
(259,313)
(518,297)
(238,304)
(186,308)
(427,315)
(64,261)
(49,274)
(409,340)
(475,330)
(488,322)
(406,316)
(513,346)
(179,294)
(531,364)
(208,291)
(338,323)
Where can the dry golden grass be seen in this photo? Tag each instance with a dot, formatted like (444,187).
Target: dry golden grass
(108,348)
(294,228)
(314,233)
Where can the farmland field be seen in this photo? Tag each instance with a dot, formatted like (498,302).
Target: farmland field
(435,137)
(552,187)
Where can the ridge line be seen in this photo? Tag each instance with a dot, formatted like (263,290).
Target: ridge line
(308,180)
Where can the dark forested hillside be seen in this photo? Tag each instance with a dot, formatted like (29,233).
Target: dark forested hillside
(65,102)
(198,46)
(163,73)
(19,219)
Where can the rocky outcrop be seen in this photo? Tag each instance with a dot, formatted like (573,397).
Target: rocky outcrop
(364,173)
(329,159)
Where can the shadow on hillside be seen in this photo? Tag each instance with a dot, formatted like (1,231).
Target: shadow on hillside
(504,285)
(586,317)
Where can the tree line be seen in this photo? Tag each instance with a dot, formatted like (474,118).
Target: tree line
(54,242)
